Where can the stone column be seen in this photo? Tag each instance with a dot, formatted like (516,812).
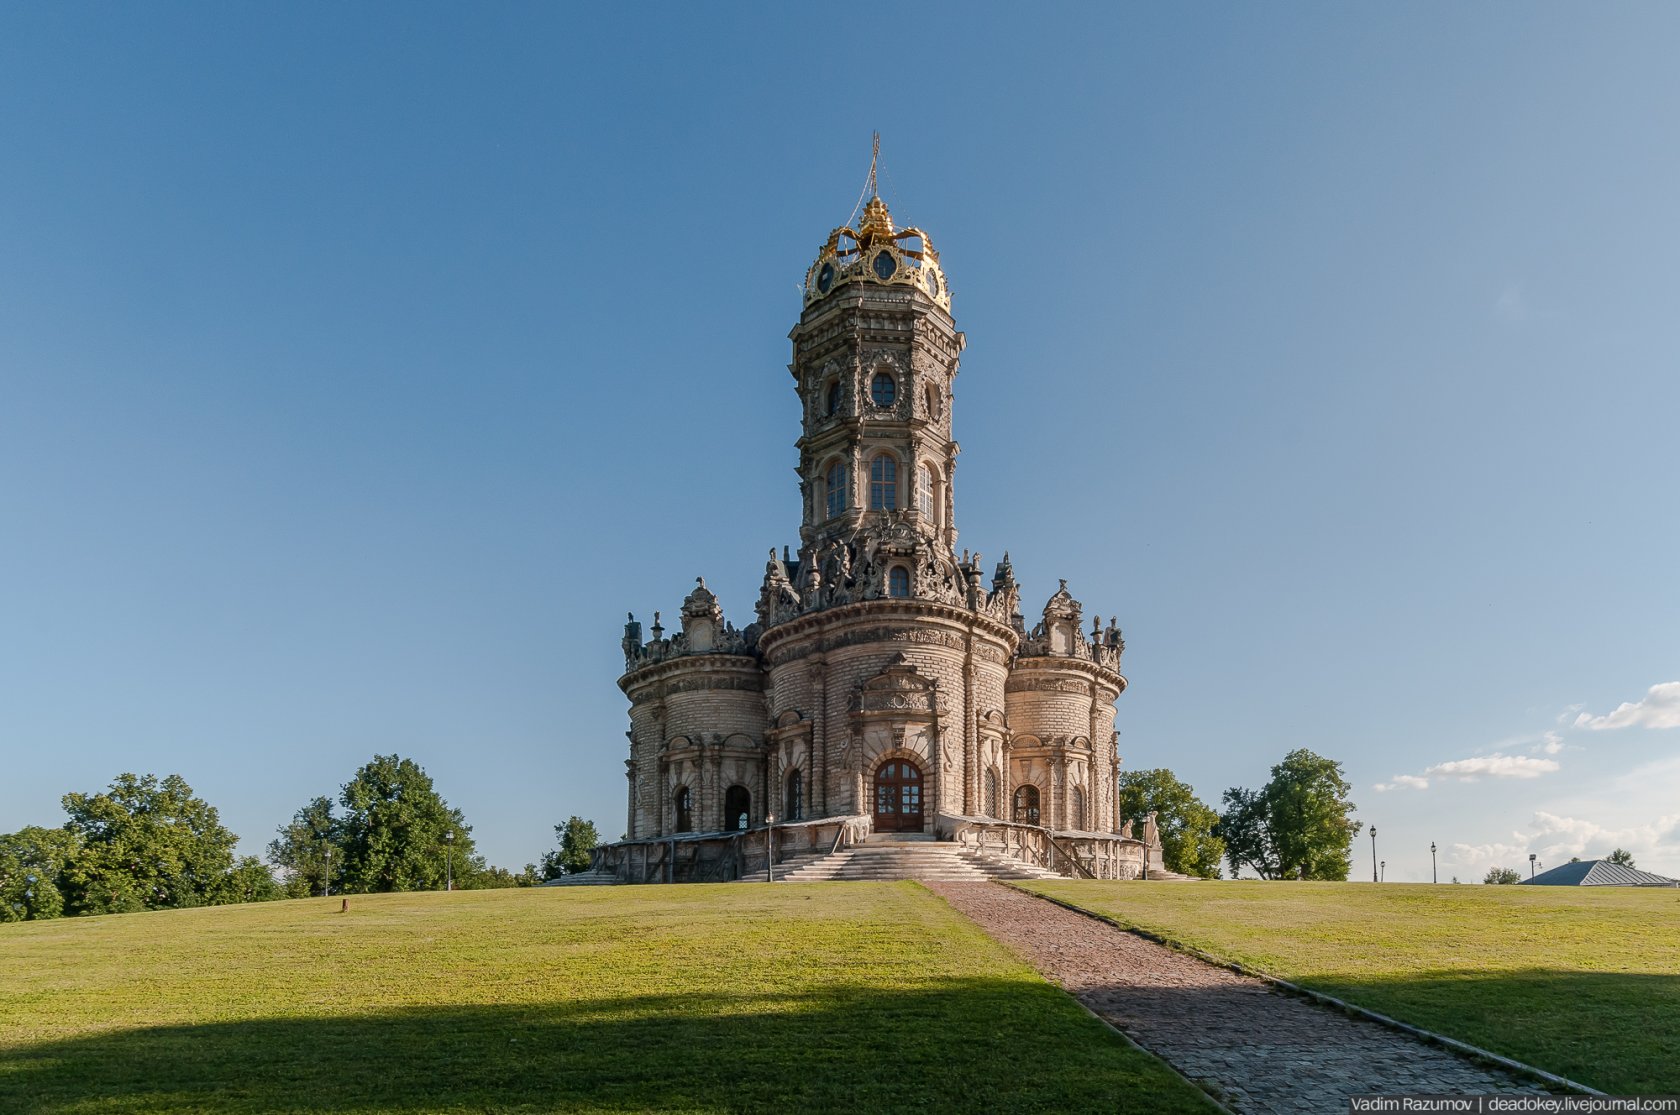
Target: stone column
(971,735)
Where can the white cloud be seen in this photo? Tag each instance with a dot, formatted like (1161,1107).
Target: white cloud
(1492,766)
(1488,855)
(1660,708)
(1557,838)
(1496,765)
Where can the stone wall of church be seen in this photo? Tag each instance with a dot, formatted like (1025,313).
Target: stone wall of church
(819,670)
(699,722)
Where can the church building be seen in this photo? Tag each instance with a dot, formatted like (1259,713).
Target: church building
(886,675)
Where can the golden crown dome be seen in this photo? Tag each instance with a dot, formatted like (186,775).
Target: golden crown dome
(877,251)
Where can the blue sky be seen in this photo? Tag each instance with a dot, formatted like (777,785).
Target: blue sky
(360,367)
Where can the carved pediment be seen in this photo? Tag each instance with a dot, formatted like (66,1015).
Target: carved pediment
(900,688)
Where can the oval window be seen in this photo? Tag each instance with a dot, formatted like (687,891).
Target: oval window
(883,390)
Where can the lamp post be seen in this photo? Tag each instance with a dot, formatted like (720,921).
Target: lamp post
(770,847)
(449,860)
(1373,853)
(1531,865)
(326,875)
(1434,876)
(1384,875)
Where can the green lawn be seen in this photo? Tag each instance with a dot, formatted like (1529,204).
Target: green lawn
(737,997)
(1584,982)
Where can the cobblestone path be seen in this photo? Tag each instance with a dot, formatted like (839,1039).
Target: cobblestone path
(1260,1050)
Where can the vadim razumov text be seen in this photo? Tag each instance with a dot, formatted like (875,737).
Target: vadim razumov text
(1509,1105)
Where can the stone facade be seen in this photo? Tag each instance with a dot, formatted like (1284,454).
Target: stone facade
(883,675)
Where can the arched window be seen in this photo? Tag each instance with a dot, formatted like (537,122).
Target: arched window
(1076,809)
(795,796)
(1026,805)
(684,809)
(836,485)
(924,490)
(737,806)
(883,483)
(933,403)
(898,581)
(991,792)
(883,389)
(833,399)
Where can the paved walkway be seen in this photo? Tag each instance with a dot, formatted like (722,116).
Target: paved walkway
(1260,1050)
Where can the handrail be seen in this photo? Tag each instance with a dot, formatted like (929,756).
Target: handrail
(1071,857)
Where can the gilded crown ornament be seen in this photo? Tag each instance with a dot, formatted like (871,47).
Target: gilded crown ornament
(877,252)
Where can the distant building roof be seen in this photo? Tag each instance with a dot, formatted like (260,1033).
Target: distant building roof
(1598,873)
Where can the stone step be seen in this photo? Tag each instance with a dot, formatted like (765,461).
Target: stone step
(928,861)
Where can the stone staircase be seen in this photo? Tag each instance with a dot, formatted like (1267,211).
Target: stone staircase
(901,856)
(585,879)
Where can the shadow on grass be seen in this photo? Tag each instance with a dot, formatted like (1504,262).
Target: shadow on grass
(1617,1032)
(974,1045)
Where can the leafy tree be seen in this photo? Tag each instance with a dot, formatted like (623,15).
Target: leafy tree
(310,850)
(1185,823)
(150,844)
(1502,876)
(396,831)
(1620,856)
(32,866)
(1296,826)
(577,839)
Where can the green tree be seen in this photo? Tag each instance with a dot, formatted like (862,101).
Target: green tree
(310,850)
(33,861)
(1299,825)
(577,839)
(1620,856)
(1185,823)
(396,831)
(1502,876)
(149,844)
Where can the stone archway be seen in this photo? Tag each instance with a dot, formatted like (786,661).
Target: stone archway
(898,798)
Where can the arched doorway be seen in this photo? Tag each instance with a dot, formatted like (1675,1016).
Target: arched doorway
(898,797)
(1026,805)
(737,808)
(683,805)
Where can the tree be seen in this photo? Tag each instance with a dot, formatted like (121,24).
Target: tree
(1502,876)
(310,850)
(1296,826)
(1185,823)
(1620,856)
(147,844)
(396,831)
(577,839)
(33,861)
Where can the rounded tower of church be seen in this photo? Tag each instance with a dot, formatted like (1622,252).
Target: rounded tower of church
(886,658)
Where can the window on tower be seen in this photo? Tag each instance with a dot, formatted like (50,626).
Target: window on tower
(836,488)
(833,399)
(883,389)
(924,490)
(898,581)
(883,484)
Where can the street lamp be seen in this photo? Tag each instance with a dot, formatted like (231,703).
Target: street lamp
(770,847)
(326,877)
(1385,871)
(1434,877)
(1531,865)
(449,860)
(1373,853)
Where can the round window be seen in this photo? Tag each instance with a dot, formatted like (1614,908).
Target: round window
(883,390)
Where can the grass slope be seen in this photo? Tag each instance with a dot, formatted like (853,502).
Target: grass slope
(737,997)
(1579,981)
